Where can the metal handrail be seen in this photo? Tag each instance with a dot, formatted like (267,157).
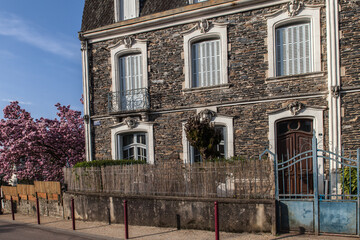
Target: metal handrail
(129,100)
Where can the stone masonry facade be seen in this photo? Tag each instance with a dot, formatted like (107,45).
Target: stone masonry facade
(248,97)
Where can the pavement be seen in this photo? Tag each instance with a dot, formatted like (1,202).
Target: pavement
(101,230)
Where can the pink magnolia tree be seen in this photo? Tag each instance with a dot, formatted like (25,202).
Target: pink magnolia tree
(38,149)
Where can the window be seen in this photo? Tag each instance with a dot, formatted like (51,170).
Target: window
(205,56)
(126,9)
(226,146)
(132,146)
(135,142)
(132,95)
(197,1)
(294,45)
(221,147)
(205,66)
(293,49)
(129,77)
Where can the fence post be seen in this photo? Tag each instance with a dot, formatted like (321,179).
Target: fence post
(12,208)
(216,221)
(73,213)
(37,208)
(126,220)
(315,179)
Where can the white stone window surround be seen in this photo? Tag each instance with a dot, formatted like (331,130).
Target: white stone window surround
(119,50)
(122,128)
(217,30)
(316,114)
(278,19)
(118,6)
(225,121)
(196,1)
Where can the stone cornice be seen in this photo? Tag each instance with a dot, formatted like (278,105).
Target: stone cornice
(175,17)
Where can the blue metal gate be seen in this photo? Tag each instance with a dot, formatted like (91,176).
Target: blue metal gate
(318,191)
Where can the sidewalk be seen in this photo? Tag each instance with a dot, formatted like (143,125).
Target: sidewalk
(101,230)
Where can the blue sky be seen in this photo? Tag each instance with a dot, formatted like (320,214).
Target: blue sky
(40,57)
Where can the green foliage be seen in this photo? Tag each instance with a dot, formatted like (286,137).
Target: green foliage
(203,136)
(349,186)
(104,163)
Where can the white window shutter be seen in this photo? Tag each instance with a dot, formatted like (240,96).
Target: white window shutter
(205,63)
(293,53)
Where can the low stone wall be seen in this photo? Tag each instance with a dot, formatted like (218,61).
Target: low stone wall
(195,213)
(47,207)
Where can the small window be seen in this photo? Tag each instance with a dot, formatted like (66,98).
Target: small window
(205,57)
(293,49)
(197,1)
(195,154)
(126,9)
(132,146)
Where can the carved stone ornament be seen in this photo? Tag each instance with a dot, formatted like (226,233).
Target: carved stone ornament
(295,107)
(293,7)
(206,114)
(130,122)
(203,25)
(83,46)
(128,41)
(335,90)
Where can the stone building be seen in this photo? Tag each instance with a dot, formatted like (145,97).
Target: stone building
(266,72)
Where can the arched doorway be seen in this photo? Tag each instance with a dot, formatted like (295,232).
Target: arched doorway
(293,137)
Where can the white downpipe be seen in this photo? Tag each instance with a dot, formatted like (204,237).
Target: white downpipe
(87,124)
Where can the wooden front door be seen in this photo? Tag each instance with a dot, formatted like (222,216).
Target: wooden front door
(293,138)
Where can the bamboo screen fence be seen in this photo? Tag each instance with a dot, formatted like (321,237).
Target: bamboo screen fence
(238,179)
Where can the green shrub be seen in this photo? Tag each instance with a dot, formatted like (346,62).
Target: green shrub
(104,163)
(347,186)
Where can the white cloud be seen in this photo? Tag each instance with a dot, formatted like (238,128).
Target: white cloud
(20,102)
(12,25)
(7,54)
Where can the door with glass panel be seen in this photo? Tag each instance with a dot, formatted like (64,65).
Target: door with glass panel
(131,84)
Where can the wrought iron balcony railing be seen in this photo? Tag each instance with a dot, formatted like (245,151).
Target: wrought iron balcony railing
(130,100)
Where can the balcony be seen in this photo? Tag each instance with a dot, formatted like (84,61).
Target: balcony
(130,100)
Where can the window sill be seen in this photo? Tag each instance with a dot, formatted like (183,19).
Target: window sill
(295,77)
(202,89)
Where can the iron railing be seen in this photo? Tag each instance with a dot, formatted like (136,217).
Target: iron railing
(130,100)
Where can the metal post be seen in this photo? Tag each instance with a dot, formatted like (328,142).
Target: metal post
(358,189)
(216,221)
(126,220)
(315,179)
(12,208)
(37,209)
(73,213)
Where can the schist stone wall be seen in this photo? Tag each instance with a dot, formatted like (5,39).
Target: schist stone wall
(349,22)
(249,96)
(234,215)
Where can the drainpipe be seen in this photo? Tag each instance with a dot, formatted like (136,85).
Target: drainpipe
(334,83)
(87,120)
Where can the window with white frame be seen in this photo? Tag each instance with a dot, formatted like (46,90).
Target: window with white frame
(195,155)
(205,57)
(294,42)
(293,49)
(129,77)
(132,146)
(133,143)
(126,9)
(197,1)
(226,146)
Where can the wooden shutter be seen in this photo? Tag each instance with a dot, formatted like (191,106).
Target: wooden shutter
(293,51)
(206,63)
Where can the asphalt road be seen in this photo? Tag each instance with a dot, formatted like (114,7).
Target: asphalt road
(18,231)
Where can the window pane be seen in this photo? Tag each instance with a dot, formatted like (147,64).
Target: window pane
(128,139)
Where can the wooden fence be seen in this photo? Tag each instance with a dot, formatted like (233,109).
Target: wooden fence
(238,179)
(46,190)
